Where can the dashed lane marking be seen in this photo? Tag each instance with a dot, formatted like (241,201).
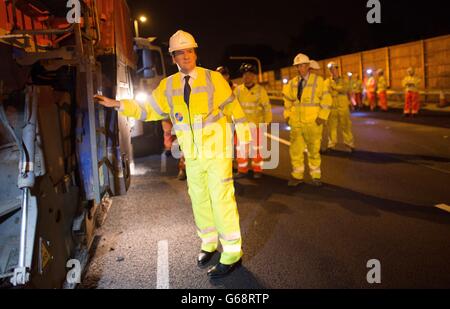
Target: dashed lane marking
(443,207)
(162,275)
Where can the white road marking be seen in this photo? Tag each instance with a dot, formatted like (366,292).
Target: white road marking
(443,207)
(162,275)
(278,139)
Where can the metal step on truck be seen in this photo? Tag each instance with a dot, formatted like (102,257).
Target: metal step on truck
(62,157)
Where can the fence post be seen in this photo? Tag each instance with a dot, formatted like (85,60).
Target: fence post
(388,67)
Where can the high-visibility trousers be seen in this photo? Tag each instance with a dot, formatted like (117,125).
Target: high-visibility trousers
(256,159)
(211,189)
(306,136)
(358,99)
(168,137)
(372,97)
(340,120)
(382,100)
(412,102)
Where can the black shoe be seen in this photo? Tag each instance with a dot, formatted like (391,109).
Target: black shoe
(167,153)
(220,270)
(316,183)
(257,176)
(294,182)
(182,175)
(204,257)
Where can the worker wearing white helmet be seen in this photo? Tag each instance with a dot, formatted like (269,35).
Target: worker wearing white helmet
(314,66)
(411,85)
(199,103)
(371,89)
(357,89)
(307,107)
(340,112)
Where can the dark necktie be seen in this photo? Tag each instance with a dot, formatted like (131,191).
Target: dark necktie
(187,89)
(300,89)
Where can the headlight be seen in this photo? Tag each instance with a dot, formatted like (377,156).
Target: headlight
(141,97)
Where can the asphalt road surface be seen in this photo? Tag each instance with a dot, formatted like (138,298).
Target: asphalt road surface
(378,203)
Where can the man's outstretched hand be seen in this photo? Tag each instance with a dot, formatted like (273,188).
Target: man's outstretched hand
(106,101)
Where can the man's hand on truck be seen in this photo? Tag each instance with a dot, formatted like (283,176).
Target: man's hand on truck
(106,101)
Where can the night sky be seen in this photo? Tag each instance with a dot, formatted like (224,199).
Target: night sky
(276,31)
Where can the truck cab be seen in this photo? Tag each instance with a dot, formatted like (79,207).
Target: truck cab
(147,137)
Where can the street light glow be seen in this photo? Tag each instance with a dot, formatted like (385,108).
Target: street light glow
(142,19)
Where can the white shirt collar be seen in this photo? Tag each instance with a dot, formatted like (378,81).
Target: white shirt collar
(193,74)
(305,79)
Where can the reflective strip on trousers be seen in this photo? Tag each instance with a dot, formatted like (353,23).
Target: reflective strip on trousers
(210,240)
(231,237)
(231,248)
(207,230)
(314,169)
(299,170)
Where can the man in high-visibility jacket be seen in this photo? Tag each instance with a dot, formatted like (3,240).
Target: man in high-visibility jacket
(411,85)
(371,90)
(256,105)
(199,103)
(307,107)
(339,88)
(357,90)
(382,90)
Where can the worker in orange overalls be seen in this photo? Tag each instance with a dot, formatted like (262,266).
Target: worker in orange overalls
(357,91)
(412,97)
(382,90)
(371,87)
(256,105)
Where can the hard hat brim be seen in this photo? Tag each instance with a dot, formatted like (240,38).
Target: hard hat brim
(171,50)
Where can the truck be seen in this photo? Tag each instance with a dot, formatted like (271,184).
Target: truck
(147,137)
(62,157)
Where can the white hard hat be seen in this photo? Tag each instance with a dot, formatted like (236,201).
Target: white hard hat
(314,65)
(181,40)
(301,59)
(331,65)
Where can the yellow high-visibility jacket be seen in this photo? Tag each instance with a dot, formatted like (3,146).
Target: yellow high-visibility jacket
(339,90)
(357,86)
(381,84)
(255,103)
(202,129)
(315,101)
(411,83)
